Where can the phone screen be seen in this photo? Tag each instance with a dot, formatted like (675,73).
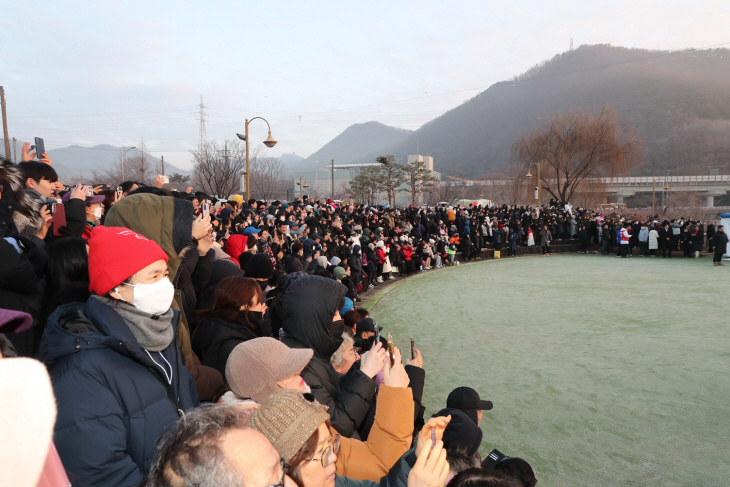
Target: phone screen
(40,147)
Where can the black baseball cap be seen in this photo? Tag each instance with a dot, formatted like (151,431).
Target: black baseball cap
(465,398)
(461,432)
(366,324)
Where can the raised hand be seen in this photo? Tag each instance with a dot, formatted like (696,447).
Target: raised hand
(372,361)
(395,376)
(438,425)
(431,468)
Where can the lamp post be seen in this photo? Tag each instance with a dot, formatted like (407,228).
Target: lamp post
(269,142)
(123,153)
(305,185)
(537,188)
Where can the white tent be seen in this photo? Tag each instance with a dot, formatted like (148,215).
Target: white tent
(725,220)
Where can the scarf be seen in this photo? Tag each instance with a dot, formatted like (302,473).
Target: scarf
(152,334)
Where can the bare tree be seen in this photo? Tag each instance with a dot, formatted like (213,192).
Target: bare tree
(139,168)
(217,167)
(267,175)
(577,146)
(418,179)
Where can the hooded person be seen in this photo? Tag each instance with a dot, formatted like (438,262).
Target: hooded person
(118,352)
(235,246)
(169,221)
(219,271)
(311,320)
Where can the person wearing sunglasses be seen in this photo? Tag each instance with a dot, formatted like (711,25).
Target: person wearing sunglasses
(298,427)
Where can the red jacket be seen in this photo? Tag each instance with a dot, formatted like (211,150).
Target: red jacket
(235,246)
(381,255)
(407,252)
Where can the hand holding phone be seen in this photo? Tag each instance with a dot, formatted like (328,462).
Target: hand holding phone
(40,147)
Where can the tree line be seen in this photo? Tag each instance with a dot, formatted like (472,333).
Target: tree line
(390,177)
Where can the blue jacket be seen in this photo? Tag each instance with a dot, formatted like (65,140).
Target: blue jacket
(113,401)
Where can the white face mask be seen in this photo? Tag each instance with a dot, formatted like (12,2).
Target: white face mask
(154,298)
(97,212)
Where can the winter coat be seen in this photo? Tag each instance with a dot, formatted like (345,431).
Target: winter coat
(530,238)
(389,438)
(293,264)
(235,246)
(720,242)
(355,262)
(113,401)
(309,305)
(397,475)
(214,340)
(513,241)
(169,221)
(698,240)
(644,234)
(545,237)
(370,255)
(653,239)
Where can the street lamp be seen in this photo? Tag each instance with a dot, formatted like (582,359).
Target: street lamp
(123,153)
(269,142)
(537,188)
(305,185)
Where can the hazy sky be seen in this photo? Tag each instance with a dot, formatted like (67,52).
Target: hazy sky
(100,72)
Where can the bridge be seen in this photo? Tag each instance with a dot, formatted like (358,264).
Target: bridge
(711,187)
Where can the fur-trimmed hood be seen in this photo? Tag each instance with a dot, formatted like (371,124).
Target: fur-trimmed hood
(13,193)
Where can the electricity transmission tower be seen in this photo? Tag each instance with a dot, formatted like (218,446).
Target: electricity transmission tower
(202,135)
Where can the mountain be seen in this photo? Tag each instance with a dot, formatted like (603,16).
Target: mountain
(358,143)
(77,163)
(290,159)
(678,103)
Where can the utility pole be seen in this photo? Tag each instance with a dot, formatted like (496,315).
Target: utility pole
(332,180)
(5,123)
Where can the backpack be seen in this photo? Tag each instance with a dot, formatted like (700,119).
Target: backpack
(618,237)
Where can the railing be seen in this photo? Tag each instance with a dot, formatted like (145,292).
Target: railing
(617,181)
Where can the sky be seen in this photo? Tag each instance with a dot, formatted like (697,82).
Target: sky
(119,73)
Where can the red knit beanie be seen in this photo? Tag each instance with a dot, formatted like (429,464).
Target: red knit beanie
(117,253)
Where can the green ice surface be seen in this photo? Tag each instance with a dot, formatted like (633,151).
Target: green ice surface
(603,371)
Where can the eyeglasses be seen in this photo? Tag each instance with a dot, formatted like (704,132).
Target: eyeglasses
(283,474)
(326,457)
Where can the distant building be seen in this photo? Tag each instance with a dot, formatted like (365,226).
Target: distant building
(427,160)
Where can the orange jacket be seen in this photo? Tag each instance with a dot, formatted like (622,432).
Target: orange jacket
(390,437)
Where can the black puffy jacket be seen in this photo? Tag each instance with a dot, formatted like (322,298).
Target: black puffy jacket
(214,340)
(309,305)
(113,401)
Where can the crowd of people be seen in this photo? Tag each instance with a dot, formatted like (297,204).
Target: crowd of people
(192,341)
(167,338)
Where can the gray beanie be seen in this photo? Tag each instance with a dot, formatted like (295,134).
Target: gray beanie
(254,366)
(288,420)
